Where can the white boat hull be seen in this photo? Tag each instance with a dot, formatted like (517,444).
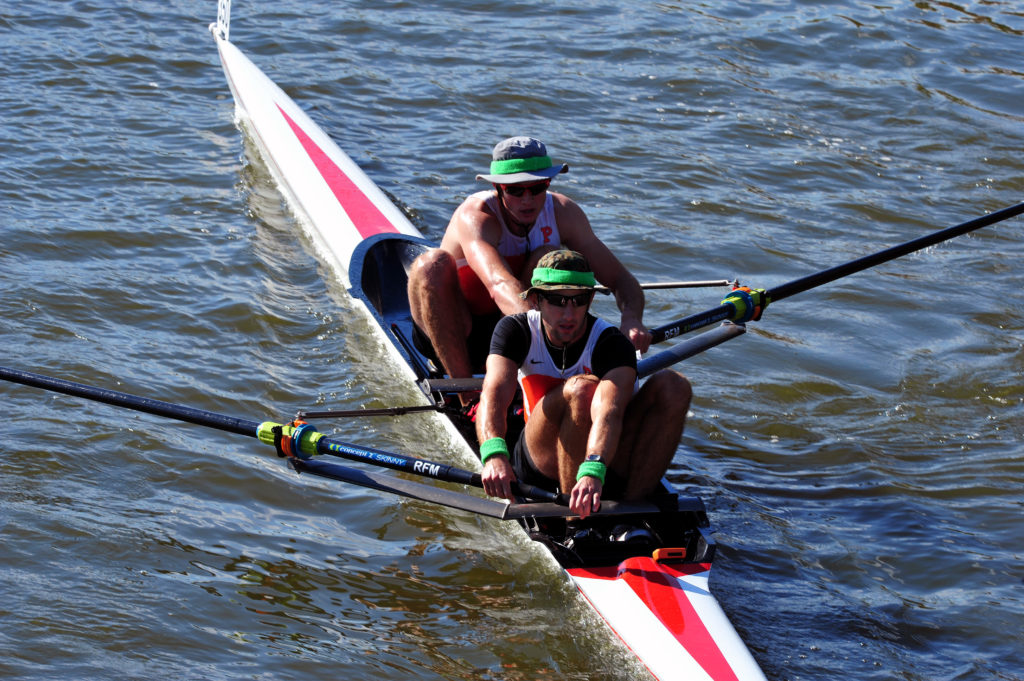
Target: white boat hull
(666,616)
(338,203)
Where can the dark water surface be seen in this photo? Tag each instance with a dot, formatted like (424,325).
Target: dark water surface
(859,449)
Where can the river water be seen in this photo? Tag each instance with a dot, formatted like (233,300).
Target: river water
(859,449)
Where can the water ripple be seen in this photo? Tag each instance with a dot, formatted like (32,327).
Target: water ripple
(858,449)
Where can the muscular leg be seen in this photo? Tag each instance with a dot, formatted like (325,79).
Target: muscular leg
(651,432)
(578,392)
(439,308)
(557,431)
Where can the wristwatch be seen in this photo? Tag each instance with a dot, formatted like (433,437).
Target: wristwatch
(594,457)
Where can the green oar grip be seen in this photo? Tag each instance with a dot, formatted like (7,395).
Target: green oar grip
(747,303)
(265,432)
(290,439)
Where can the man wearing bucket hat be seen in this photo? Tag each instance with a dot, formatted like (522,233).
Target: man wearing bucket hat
(590,430)
(458,292)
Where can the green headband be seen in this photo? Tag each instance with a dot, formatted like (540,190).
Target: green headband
(520,165)
(546,275)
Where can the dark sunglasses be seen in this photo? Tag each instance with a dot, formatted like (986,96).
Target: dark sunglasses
(558,300)
(518,190)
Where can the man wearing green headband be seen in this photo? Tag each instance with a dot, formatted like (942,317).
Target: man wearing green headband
(458,292)
(590,430)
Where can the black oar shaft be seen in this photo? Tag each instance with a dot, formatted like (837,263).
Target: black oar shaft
(325,445)
(143,404)
(854,266)
(424,467)
(726,311)
(691,323)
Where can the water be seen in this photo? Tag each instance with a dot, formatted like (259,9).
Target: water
(859,449)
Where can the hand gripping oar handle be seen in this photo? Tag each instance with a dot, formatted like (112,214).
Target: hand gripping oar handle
(732,311)
(309,440)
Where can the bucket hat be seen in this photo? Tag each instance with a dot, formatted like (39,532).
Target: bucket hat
(561,270)
(521,159)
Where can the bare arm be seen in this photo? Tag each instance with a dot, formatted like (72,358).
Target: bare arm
(577,234)
(477,232)
(607,411)
(498,391)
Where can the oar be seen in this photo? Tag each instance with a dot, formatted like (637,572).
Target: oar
(747,305)
(674,284)
(688,348)
(382,411)
(300,442)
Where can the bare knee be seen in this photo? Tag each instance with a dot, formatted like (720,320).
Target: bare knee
(432,268)
(433,285)
(670,389)
(578,392)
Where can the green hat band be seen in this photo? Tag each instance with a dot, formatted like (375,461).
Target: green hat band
(520,165)
(546,275)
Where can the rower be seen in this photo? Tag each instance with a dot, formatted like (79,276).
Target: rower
(590,431)
(458,292)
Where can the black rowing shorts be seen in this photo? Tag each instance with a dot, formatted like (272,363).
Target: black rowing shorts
(614,486)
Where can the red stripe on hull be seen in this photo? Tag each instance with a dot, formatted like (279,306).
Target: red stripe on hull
(364,214)
(655,584)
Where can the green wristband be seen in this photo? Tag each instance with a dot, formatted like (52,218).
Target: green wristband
(594,469)
(494,447)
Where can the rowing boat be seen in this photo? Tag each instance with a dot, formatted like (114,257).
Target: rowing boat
(653,594)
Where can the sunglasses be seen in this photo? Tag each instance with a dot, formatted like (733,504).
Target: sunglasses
(518,190)
(558,300)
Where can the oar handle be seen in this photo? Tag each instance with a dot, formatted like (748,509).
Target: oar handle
(532,492)
(521,489)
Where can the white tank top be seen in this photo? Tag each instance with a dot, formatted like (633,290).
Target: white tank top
(543,232)
(539,373)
